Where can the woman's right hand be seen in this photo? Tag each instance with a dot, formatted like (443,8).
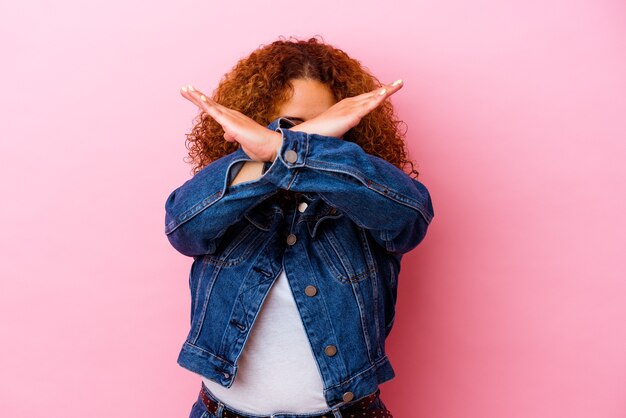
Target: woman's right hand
(347,113)
(258,142)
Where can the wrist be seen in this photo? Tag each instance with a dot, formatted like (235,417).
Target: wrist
(302,127)
(311,127)
(276,141)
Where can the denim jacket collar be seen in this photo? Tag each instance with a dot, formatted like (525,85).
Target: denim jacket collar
(316,212)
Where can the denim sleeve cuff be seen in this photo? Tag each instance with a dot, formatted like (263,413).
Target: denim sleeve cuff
(280,122)
(290,156)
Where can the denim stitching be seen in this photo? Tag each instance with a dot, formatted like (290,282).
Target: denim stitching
(192,211)
(370,369)
(391,194)
(230,263)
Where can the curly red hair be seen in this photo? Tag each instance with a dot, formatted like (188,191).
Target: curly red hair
(258,84)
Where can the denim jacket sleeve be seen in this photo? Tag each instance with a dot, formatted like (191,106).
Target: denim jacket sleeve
(372,192)
(199,212)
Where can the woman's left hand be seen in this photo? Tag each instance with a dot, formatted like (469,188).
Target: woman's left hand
(258,142)
(347,113)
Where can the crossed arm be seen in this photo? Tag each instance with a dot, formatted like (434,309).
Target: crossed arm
(309,157)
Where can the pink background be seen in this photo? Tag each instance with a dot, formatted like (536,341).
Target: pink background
(513,306)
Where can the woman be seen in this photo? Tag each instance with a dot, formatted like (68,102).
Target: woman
(297,217)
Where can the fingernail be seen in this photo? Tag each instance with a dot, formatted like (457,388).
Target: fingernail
(395,83)
(203,97)
(383,91)
(184,88)
(190,87)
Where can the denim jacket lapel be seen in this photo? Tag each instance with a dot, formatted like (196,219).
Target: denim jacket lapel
(317,211)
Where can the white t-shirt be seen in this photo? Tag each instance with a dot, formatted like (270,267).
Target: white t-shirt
(276,371)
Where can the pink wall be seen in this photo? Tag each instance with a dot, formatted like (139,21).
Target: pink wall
(513,306)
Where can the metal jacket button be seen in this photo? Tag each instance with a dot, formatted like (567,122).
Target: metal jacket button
(348,396)
(330,350)
(291,239)
(291,156)
(302,207)
(310,290)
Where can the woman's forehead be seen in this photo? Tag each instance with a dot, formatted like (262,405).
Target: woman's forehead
(309,99)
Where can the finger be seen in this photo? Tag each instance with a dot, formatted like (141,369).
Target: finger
(228,137)
(385,90)
(365,96)
(204,102)
(198,98)
(192,95)
(382,93)
(377,97)
(390,89)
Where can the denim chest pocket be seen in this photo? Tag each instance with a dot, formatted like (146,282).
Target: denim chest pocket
(238,245)
(345,252)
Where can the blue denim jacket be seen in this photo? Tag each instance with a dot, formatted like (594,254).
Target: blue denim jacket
(337,219)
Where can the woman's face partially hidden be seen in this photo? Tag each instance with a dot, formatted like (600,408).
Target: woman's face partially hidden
(309,99)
